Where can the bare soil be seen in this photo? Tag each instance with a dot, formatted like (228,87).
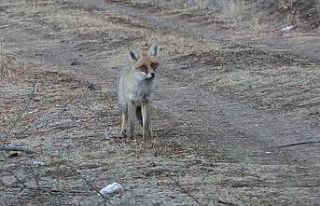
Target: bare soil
(235,118)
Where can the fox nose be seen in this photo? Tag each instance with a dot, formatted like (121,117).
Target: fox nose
(152,74)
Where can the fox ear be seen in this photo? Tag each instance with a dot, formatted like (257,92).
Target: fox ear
(153,50)
(134,55)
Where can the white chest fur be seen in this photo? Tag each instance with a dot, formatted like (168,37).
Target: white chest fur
(141,88)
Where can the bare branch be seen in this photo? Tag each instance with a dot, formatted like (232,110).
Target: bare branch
(19,116)
(184,190)
(192,196)
(226,203)
(299,143)
(57,191)
(93,188)
(18,148)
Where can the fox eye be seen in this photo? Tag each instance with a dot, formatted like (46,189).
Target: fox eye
(143,68)
(154,65)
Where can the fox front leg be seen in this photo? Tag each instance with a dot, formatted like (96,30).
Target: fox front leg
(146,120)
(131,119)
(124,121)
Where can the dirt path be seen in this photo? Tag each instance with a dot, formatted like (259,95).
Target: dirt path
(235,123)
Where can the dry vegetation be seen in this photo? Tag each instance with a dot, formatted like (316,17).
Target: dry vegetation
(236,112)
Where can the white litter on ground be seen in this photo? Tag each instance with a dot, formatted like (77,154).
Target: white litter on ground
(287,28)
(111,189)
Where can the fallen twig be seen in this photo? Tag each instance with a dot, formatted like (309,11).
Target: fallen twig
(184,190)
(19,116)
(299,143)
(58,191)
(48,121)
(74,168)
(193,197)
(18,148)
(226,203)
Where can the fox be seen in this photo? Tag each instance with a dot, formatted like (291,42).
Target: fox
(135,88)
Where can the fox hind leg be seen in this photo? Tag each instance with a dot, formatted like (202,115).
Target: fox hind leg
(139,115)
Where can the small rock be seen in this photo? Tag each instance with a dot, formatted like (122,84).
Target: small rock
(75,63)
(38,163)
(92,86)
(13,155)
(314,112)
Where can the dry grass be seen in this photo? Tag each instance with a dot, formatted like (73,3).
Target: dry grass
(68,126)
(253,14)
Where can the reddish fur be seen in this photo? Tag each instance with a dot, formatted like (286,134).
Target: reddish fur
(146,63)
(135,89)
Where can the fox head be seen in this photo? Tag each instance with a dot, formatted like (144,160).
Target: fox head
(146,63)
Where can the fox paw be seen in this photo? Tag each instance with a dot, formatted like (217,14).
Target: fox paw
(123,134)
